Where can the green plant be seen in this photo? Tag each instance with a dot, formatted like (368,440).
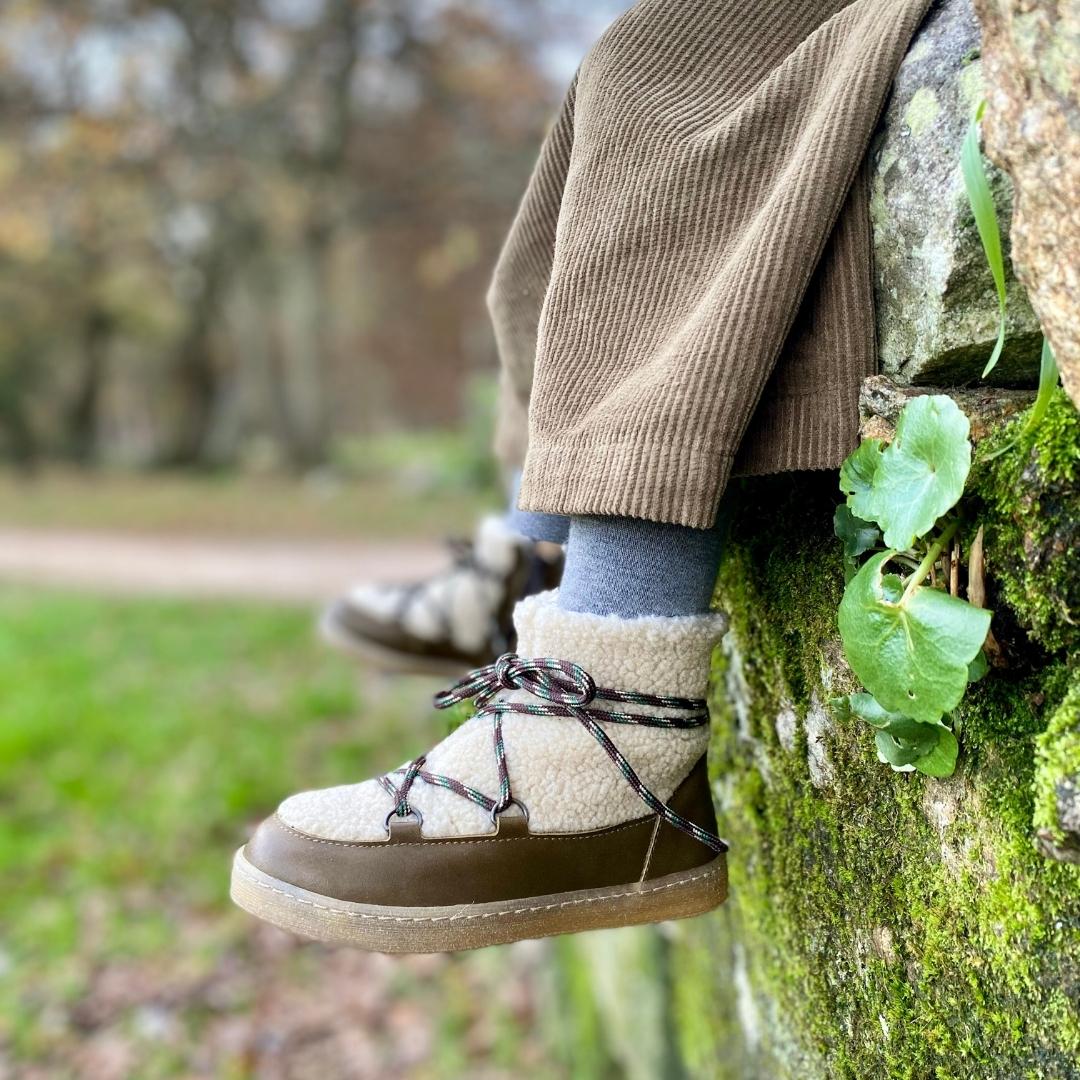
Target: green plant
(911,641)
(986,221)
(915,646)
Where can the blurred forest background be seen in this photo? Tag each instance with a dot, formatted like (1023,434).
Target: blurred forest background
(251,232)
(244,363)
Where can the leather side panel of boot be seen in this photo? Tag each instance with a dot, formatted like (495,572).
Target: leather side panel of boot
(674,850)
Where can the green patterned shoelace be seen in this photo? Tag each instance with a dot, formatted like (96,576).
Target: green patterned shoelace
(564,690)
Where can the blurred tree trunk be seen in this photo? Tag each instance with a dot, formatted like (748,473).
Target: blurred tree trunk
(194,375)
(307,360)
(306,356)
(81,421)
(19,438)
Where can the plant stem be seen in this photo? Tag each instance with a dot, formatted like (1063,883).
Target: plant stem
(910,563)
(931,557)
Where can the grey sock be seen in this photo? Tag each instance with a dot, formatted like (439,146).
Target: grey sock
(551,527)
(630,568)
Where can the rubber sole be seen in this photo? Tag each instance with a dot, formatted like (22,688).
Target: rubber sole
(383,658)
(472,926)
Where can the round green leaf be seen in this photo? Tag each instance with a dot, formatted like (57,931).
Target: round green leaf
(934,753)
(867,707)
(941,761)
(978,667)
(905,743)
(858,536)
(857,476)
(922,471)
(897,752)
(911,652)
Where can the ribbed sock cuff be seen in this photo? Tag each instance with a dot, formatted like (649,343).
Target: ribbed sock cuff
(632,568)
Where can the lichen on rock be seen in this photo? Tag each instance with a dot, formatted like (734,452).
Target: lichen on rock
(937,309)
(1032,50)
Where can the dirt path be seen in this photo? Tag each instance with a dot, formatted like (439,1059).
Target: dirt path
(294,570)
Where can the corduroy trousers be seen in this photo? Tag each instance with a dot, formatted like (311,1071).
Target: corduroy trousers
(685,293)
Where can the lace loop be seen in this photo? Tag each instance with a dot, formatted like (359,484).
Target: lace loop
(403,809)
(557,681)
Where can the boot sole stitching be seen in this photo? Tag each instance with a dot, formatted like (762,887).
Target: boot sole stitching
(492,839)
(482,915)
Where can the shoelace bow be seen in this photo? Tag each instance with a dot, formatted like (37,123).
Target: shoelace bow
(566,690)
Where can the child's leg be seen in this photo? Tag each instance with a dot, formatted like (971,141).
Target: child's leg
(654,272)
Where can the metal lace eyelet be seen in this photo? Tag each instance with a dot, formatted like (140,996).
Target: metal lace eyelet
(395,816)
(497,810)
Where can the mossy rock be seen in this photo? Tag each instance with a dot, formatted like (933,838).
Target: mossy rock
(934,295)
(1031,497)
(886,924)
(1057,781)
(882,924)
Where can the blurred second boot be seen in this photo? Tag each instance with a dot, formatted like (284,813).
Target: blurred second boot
(458,619)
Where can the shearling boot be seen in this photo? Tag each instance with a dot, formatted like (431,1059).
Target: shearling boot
(575,798)
(457,619)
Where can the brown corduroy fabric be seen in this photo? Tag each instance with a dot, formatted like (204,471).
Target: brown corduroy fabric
(685,292)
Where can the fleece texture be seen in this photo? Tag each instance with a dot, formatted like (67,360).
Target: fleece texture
(685,293)
(557,769)
(459,604)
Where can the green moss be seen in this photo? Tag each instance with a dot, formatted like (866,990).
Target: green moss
(888,924)
(1010,704)
(885,924)
(1057,763)
(1031,498)
(705,1007)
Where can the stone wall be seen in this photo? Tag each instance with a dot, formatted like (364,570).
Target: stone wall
(885,924)
(936,306)
(1032,50)
(888,924)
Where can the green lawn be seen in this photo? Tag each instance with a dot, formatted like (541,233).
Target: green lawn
(139,741)
(384,505)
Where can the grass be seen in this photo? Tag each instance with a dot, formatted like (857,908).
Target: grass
(402,484)
(139,740)
(382,506)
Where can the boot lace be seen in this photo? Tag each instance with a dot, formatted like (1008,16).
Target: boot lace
(564,690)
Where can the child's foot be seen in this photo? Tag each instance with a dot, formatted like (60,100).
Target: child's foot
(459,619)
(576,798)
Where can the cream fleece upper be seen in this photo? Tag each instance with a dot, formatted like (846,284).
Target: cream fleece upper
(557,769)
